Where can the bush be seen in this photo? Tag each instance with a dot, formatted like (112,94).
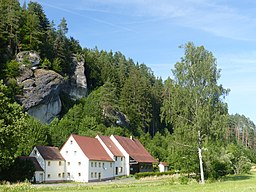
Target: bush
(148,174)
(183,180)
(243,165)
(219,169)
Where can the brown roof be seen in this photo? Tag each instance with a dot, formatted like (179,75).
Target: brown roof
(34,161)
(164,164)
(111,146)
(135,149)
(50,153)
(92,148)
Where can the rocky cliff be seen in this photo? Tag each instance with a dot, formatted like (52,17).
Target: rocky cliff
(42,88)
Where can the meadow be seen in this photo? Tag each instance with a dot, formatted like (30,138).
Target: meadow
(235,183)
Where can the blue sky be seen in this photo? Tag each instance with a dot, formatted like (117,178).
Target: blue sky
(150,32)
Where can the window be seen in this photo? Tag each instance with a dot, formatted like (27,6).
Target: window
(71,142)
(120,169)
(95,175)
(95,164)
(59,163)
(110,164)
(79,163)
(91,164)
(35,152)
(49,175)
(116,158)
(79,174)
(49,163)
(59,175)
(68,174)
(68,163)
(66,152)
(99,164)
(121,158)
(63,175)
(91,174)
(116,170)
(103,165)
(74,152)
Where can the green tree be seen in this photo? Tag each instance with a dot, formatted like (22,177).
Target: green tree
(12,121)
(36,134)
(195,104)
(135,102)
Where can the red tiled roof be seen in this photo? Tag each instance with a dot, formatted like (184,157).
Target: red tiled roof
(34,161)
(135,149)
(164,164)
(92,148)
(111,146)
(50,153)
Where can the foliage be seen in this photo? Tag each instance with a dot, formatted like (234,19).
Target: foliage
(36,135)
(21,170)
(166,117)
(193,104)
(12,69)
(12,120)
(149,174)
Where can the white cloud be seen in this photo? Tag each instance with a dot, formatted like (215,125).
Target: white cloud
(214,16)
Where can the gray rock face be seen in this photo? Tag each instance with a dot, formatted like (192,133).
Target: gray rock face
(41,93)
(42,88)
(78,85)
(46,112)
(31,58)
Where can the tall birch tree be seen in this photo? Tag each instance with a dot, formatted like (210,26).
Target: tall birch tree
(194,103)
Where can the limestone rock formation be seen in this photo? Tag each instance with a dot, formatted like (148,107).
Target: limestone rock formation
(30,58)
(77,87)
(42,88)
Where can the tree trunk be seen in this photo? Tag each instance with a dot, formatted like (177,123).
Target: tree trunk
(200,157)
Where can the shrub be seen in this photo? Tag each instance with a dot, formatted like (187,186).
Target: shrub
(148,174)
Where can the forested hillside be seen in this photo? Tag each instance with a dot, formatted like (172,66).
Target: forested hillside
(173,119)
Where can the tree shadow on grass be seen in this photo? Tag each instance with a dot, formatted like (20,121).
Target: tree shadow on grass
(238,177)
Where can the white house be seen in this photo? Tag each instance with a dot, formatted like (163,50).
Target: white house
(86,159)
(163,166)
(52,163)
(115,154)
(137,158)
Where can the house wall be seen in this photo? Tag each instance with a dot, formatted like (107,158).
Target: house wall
(126,156)
(38,157)
(38,177)
(77,164)
(162,168)
(100,170)
(119,168)
(54,170)
(119,161)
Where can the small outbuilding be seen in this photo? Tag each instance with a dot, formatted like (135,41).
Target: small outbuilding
(163,167)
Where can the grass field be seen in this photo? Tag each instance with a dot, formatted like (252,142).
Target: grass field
(242,183)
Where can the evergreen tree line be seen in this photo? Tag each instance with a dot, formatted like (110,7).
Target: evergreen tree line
(174,119)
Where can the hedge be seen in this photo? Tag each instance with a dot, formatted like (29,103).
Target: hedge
(148,174)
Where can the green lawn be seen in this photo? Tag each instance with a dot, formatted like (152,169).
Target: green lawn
(242,183)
